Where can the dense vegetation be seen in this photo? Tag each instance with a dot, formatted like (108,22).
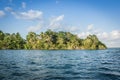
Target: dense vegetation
(49,40)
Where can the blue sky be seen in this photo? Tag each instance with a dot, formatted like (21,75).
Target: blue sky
(81,17)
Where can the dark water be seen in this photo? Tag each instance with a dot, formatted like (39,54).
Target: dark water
(60,64)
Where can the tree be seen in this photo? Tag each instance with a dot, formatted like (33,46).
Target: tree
(31,41)
(49,40)
(1,35)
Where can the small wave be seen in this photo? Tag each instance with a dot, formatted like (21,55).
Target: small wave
(32,63)
(104,68)
(18,74)
(71,72)
(34,70)
(66,66)
(2,77)
(117,51)
(106,63)
(57,78)
(110,74)
(15,67)
(38,78)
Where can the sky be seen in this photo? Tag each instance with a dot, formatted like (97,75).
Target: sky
(80,17)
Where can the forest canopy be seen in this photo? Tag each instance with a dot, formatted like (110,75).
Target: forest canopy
(49,40)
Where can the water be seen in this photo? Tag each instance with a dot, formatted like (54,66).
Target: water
(60,64)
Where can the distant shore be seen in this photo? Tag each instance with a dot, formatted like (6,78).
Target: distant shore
(49,40)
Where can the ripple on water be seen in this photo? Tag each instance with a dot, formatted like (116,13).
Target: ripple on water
(15,67)
(106,63)
(62,66)
(105,69)
(112,75)
(31,63)
(2,77)
(34,69)
(71,72)
(57,78)
(18,74)
(37,78)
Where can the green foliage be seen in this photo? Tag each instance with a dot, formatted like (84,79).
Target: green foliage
(12,41)
(49,40)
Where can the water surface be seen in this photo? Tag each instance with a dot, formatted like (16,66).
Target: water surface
(60,64)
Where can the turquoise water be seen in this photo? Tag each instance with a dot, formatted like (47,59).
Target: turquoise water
(60,64)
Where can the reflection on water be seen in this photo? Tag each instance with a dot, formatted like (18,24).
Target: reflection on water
(60,64)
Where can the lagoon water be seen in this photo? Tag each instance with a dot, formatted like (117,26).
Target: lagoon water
(60,64)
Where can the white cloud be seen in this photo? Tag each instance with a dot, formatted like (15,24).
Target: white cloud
(111,39)
(73,29)
(9,9)
(115,34)
(83,34)
(2,13)
(56,22)
(35,28)
(56,19)
(29,15)
(23,5)
(104,35)
(59,18)
(90,27)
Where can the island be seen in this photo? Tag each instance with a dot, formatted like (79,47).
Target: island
(49,40)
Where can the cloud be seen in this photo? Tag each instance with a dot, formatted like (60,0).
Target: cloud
(72,29)
(2,13)
(83,34)
(9,9)
(90,27)
(56,22)
(35,28)
(103,35)
(115,34)
(109,36)
(29,15)
(112,39)
(23,5)
(59,18)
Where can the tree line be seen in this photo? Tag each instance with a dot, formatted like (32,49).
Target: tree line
(49,40)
